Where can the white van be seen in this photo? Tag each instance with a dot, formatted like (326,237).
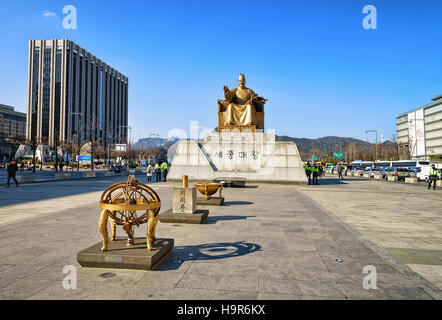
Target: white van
(424,171)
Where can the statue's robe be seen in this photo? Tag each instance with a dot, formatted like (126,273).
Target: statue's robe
(239,111)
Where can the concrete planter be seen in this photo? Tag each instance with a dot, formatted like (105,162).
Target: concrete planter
(378,177)
(25,178)
(62,176)
(411,180)
(367,175)
(439,183)
(89,174)
(392,178)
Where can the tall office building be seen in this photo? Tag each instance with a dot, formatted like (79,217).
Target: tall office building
(74,96)
(12,124)
(419,132)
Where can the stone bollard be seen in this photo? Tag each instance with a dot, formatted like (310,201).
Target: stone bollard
(393,178)
(367,175)
(378,176)
(439,183)
(411,180)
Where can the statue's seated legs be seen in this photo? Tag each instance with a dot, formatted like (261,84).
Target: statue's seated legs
(243,115)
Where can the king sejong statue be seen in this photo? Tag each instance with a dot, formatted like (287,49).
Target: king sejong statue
(241,108)
(241,150)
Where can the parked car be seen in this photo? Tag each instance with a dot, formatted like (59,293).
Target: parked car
(372,171)
(414,172)
(358,170)
(118,169)
(401,173)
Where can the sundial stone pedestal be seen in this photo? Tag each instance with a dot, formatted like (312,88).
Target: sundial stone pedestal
(120,256)
(184,209)
(211,202)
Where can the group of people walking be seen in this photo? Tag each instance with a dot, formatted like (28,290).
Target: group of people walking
(313,172)
(160,169)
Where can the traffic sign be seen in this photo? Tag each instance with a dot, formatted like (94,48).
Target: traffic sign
(83,158)
(314,158)
(338,155)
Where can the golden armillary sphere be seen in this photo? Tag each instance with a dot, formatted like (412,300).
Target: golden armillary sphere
(121,202)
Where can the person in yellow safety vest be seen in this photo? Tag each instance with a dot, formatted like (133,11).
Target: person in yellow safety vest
(315,171)
(433,175)
(164,168)
(308,172)
(158,171)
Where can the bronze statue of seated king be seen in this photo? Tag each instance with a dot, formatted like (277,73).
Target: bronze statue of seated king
(242,109)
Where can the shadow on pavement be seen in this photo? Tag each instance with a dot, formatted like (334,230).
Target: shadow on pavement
(242,187)
(324,181)
(237,203)
(55,189)
(213,220)
(210,251)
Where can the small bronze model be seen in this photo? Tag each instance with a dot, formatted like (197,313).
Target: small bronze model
(208,189)
(120,203)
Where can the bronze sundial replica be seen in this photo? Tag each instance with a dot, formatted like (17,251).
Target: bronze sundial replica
(128,204)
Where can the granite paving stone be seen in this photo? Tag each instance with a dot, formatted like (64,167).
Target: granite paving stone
(270,248)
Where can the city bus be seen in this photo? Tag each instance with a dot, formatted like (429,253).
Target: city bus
(361,164)
(366,164)
(383,164)
(411,163)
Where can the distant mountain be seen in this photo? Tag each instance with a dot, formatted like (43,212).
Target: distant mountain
(154,143)
(328,145)
(307,147)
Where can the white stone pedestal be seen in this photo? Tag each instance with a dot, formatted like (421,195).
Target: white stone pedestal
(256,157)
(184,200)
(184,208)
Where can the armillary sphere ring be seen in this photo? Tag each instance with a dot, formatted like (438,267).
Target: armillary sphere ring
(121,201)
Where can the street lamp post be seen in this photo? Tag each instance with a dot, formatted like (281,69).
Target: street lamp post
(130,136)
(376,146)
(78,134)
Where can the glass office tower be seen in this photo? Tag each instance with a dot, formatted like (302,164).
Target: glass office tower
(74,96)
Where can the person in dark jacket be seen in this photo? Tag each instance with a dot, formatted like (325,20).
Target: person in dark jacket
(158,171)
(433,176)
(315,172)
(308,172)
(12,170)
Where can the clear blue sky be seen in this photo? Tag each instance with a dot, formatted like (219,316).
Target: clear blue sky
(322,73)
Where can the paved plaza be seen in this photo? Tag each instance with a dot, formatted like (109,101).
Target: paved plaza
(268,242)
(404,220)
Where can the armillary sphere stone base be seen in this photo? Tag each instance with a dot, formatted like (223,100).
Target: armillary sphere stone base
(120,256)
(210,202)
(194,218)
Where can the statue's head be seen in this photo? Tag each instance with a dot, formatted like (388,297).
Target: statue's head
(242,81)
